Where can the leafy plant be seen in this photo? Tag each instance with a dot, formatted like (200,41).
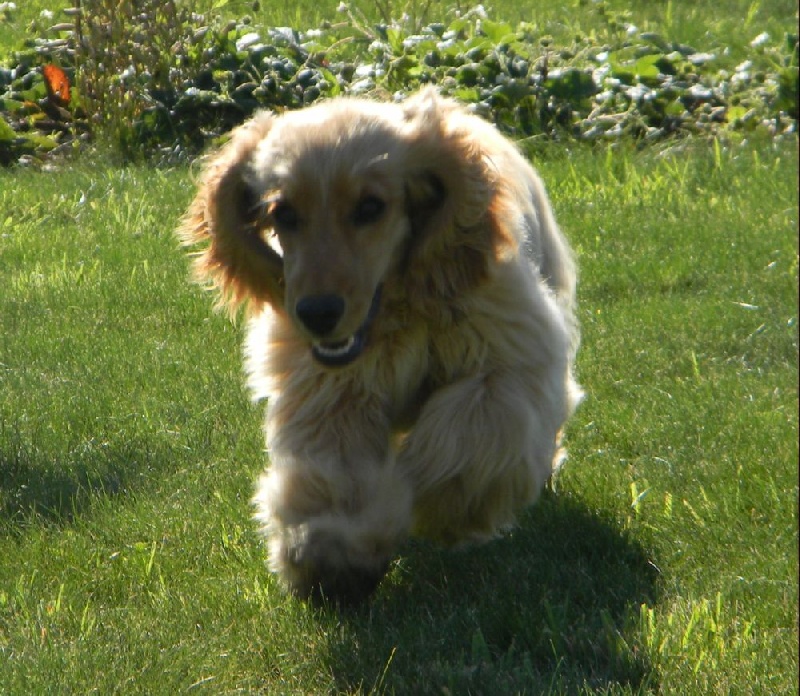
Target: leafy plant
(158,79)
(129,56)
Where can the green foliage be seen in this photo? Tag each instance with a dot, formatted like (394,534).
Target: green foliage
(127,59)
(157,78)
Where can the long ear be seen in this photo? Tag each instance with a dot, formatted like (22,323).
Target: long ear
(224,217)
(450,189)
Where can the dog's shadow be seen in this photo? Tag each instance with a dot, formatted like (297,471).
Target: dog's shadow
(55,490)
(550,608)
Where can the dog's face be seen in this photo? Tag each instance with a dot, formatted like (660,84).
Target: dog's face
(331,183)
(320,212)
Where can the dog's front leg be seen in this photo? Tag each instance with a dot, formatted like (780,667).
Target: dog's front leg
(482,449)
(332,502)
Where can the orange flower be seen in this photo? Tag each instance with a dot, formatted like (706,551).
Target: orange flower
(57,84)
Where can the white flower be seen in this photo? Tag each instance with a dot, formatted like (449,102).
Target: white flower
(46,14)
(8,6)
(701,58)
(244,42)
(414,39)
(342,8)
(700,92)
(599,74)
(760,40)
(362,86)
(639,93)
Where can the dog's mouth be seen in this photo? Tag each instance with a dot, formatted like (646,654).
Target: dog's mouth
(341,353)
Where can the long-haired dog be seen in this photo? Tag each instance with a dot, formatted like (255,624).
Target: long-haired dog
(412,327)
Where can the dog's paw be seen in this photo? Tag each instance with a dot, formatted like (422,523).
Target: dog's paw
(333,554)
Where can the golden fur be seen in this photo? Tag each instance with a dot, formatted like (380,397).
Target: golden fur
(412,327)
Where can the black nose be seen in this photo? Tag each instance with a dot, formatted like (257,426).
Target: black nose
(320,313)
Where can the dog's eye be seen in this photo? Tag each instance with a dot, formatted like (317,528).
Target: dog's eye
(284,216)
(368,210)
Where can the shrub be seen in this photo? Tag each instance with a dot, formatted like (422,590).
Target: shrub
(157,79)
(130,55)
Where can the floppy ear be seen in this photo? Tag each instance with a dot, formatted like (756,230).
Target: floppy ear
(450,188)
(226,217)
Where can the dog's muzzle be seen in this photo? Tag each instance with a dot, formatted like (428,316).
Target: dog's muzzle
(345,587)
(320,315)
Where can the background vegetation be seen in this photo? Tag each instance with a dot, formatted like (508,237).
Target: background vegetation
(159,78)
(664,560)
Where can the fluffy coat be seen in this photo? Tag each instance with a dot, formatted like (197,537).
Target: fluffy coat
(412,327)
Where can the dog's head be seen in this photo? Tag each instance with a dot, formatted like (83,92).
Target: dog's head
(318,211)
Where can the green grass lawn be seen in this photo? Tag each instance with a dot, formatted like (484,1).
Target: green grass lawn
(665,560)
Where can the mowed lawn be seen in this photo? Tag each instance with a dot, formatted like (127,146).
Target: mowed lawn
(664,560)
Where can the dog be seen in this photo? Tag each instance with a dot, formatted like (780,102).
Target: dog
(412,327)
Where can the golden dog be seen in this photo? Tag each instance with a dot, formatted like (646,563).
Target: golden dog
(412,327)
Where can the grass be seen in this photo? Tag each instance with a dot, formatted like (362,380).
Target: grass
(665,560)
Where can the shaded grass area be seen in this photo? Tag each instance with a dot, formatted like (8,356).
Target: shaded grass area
(665,560)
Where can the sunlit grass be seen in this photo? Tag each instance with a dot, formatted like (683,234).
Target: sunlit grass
(664,561)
